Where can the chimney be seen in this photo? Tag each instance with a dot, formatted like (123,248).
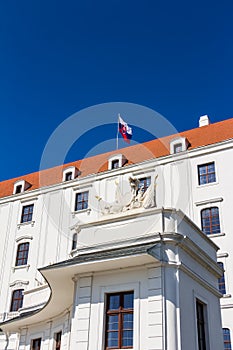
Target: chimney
(204,120)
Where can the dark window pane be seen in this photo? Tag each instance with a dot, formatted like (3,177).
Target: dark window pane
(127,338)
(206,173)
(114,302)
(112,323)
(128,301)
(112,340)
(16,300)
(81,201)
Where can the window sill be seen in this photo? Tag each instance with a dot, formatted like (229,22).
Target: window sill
(88,210)
(225,296)
(216,235)
(26,223)
(20,267)
(208,184)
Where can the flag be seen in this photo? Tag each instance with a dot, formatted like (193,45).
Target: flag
(125,130)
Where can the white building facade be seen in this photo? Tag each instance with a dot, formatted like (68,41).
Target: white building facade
(121,250)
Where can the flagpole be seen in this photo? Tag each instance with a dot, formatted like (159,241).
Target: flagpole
(117,131)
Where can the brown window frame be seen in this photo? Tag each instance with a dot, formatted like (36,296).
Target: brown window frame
(119,312)
(207,176)
(16,300)
(227,338)
(83,203)
(214,221)
(22,254)
(27,217)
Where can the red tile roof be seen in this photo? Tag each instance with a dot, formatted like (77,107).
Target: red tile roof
(198,137)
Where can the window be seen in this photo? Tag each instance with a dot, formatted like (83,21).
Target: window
(178,148)
(119,320)
(74,241)
(115,164)
(36,343)
(18,189)
(16,300)
(201,332)
(144,183)
(81,201)
(27,213)
(206,173)
(210,221)
(57,338)
(22,254)
(221,280)
(68,176)
(227,339)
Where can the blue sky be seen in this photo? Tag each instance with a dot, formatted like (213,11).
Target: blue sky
(57,58)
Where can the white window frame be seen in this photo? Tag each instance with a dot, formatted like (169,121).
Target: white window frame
(116,157)
(25,185)
(179,140)
(71,169)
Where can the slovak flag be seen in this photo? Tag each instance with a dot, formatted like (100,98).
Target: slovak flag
(125,130)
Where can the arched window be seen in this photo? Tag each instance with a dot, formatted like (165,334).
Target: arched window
(22,254)
(16,300)
(221,280)
(210,221)
(227,339)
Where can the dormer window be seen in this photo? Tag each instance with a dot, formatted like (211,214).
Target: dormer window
(178,145)
(178,148)
(115,164)
(20,186)
(68,176)
(18,189)
(116,161)
(70,173)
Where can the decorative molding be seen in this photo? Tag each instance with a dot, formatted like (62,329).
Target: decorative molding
(29,199)
(25,237)
(74,213)
(222,255)
(25,224)
(19,283)
(209,201)
(20,267)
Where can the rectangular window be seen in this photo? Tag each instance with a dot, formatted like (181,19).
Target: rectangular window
(210,221)
(227,339)
(57,339)
(119,320)
(22,254)
(144,183)
(221,280)
(178,148)
(115,164)
(16,300)
(81,201)
(27,213)
(206,173)
(201,331)
(68,176)
(36,344)
(18,189)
